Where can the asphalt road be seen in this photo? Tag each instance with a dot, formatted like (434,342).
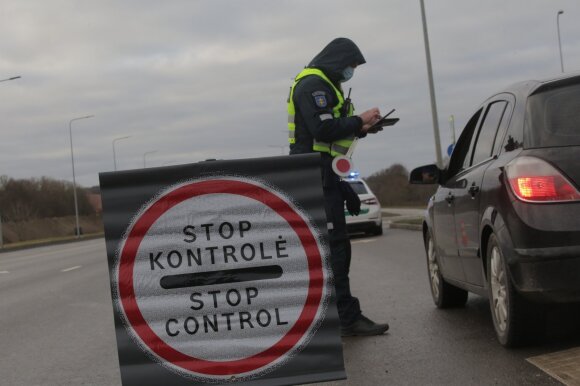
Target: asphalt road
(427,346)
(56,317)
(56,322)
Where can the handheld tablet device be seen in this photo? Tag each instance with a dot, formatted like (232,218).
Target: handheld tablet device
(384,121)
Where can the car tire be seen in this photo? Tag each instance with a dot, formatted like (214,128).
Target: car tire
(378,229)
(516,321)
(444,294)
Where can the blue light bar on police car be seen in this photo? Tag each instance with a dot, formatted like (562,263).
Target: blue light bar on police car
(353,175)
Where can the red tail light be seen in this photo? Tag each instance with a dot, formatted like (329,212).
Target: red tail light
(370,201)
(535,180)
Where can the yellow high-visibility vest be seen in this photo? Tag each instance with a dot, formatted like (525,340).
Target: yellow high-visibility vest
(335,148)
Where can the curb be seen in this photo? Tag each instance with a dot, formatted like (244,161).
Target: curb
(8,248)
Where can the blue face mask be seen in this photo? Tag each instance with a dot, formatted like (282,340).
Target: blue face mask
(347,73)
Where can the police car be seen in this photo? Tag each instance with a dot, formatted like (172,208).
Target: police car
(370,218)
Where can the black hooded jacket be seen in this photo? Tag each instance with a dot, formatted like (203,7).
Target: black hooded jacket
(311,119)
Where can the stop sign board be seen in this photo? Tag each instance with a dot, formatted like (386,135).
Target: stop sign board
(221,278)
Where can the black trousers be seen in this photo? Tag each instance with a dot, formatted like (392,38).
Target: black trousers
(340,256)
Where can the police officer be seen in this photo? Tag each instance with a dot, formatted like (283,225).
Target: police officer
(319,120)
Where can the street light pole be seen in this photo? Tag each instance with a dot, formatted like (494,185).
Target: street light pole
(72,158)
(431,90)
(114,155)
(1,236)
(7,79)
(145,157)
(452,127)
(559,41)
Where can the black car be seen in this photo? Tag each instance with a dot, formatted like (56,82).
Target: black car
(505,219)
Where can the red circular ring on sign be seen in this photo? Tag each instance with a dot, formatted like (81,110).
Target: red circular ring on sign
(202,366)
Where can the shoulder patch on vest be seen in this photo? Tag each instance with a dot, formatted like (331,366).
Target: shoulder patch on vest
(320,99)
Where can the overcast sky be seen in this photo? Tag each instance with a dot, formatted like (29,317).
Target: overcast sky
(192,80)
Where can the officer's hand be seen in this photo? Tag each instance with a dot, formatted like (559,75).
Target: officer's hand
(352,199)
(369,118)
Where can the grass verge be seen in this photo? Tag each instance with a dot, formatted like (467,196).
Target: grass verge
(409,223)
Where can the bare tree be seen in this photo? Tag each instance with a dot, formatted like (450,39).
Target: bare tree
(26,199)
(392,188)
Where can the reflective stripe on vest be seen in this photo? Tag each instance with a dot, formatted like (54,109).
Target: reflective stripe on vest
(339,147)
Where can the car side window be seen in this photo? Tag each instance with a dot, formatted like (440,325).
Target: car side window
(358,187)
(514,138)
(488,131)
(505,121)
(462,147)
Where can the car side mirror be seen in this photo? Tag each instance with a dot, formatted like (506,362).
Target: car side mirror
(426,175)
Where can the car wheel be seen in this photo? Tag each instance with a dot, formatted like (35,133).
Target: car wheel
(444,294)
(378,229)
(515,320)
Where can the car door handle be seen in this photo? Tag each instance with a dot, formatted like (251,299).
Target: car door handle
(450,197)
(473,190)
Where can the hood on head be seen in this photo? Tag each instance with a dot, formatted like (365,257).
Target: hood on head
(336,56)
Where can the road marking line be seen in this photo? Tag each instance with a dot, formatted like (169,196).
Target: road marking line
(4,272)
(362,241)
(71,268)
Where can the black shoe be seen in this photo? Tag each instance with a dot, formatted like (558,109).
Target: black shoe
(363,326)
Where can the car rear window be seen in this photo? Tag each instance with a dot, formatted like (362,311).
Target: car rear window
(553,118)
(358,187)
